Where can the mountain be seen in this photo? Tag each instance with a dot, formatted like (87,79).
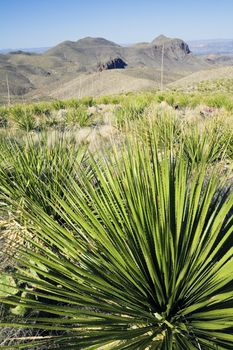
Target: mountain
(85,61)
(85,53)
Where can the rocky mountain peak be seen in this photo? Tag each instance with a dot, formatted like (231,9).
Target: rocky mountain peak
(160,40)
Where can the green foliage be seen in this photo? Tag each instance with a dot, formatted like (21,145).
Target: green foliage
(219,101)
(221,133)
(4,116)
(183,99)
(58,104)
(73,103)
(41,109)
(167,126)
(87,101)
(203,147)
(7,285)
(223,85)
(141,257)
(78,116)
(131,110)
(113,99)
(36,168)
(23,117)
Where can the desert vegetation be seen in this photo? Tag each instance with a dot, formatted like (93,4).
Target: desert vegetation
(116,222)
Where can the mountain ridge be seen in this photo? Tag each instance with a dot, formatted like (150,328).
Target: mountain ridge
(40,74)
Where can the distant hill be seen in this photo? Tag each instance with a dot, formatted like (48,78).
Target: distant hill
(87,53)
(33,50)
(206,47)
(72,63)
(219,60)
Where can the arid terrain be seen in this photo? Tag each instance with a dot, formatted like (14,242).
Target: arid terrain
(96,66)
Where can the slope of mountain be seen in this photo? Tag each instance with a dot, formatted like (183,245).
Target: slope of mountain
(69,62)
(107,82)
(210,76)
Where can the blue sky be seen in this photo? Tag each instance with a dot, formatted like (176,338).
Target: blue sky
(42,23)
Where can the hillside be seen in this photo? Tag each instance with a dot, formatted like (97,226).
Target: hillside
(60,69)
(216,78)
(105,83)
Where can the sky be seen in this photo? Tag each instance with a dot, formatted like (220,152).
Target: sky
(45,23)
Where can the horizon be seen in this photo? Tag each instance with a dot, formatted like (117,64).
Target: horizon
(122,44)
(42,23)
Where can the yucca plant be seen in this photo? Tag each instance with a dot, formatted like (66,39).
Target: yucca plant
(87,101)
(142,260)
(38,165)
(41,109)
(78,116)
(23,117)
(204,146)
(167,126)
(131,110)
(58,104)
(221,130)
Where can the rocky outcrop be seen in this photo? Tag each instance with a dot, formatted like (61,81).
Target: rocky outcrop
(173,48)
(115,63)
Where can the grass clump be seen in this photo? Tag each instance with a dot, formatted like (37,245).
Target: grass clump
(58,104)
(41,109)
(23,117)
(78,116)
(131,110)
(87,101)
